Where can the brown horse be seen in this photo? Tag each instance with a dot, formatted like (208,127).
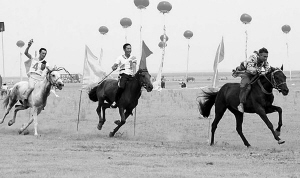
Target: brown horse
(259,101)
(129,100)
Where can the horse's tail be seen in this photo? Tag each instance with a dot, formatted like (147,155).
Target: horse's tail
(6,99)
(93,94)
(206,102)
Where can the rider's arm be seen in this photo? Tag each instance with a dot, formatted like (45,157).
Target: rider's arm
(116,64)
(26,50)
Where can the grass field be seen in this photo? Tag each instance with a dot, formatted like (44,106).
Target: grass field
(170,139)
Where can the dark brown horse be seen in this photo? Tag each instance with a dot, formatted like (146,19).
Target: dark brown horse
(129,100)
(259,101)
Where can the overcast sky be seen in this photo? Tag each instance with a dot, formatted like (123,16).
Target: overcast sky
(65,27)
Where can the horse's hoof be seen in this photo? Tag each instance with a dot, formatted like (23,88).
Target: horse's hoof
(10,123)
(111,134)
(26,132)
(99,127)
(20,132)
(281,142)
(117,122)
(277,133)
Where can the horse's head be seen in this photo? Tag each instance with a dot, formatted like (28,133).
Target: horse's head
(278,80)
(145,79)
(53,77)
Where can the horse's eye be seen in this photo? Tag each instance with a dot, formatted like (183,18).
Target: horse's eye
(53,75)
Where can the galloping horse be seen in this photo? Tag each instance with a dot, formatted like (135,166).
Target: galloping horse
(37,99)
(129,100)
(259,101)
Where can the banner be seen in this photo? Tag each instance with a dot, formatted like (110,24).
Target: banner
(219,58)
(92,72)
(145,53)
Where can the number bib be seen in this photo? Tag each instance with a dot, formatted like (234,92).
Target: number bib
(36,67)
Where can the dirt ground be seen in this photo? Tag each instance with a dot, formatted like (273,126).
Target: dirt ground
(171,140)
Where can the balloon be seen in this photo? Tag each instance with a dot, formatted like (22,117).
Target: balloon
(245,18)
(162,44)
(164,7)
(162,38)
(125,22)
(286,29)
(141,4)
(20,43)
(188,34)
(103,30)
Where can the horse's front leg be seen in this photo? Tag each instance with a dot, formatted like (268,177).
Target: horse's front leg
(35,114)
(124,116)
(31,119)
(103,119)
(272,109)
(261,112)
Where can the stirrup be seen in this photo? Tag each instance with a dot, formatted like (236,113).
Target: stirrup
(114,105)
(241,108)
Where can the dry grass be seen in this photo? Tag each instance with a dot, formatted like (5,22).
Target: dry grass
(170,141)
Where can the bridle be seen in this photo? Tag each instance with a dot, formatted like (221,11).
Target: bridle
(273,81)
(143,84)
(54,83)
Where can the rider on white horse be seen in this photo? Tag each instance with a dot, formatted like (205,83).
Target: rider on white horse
(35,72)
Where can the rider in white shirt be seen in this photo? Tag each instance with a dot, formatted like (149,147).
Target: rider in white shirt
(126,63)
(37,69)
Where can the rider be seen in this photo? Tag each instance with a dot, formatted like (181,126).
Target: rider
(253,66)
(126,63)
(37,66)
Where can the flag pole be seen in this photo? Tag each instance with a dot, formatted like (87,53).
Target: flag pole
(141,50)
(216,70)
(287,54)
(3,56)
(79,108)
(187,62)
(79,105)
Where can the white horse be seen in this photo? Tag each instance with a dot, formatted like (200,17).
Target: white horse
(36,100)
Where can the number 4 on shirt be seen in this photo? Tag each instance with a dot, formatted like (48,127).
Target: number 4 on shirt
(35,66)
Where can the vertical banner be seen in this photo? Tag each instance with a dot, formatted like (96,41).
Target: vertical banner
(219,58)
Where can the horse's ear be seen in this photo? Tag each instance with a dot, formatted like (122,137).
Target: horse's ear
(281,68)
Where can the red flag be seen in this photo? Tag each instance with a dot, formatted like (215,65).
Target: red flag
(145,53)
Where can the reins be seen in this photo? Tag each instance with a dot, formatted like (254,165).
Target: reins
(272,81)
(54,83)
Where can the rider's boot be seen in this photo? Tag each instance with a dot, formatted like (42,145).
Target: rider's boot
(244,91)
(117,97)
(26,95)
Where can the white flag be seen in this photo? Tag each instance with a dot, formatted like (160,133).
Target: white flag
(219,58)
(92,72)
